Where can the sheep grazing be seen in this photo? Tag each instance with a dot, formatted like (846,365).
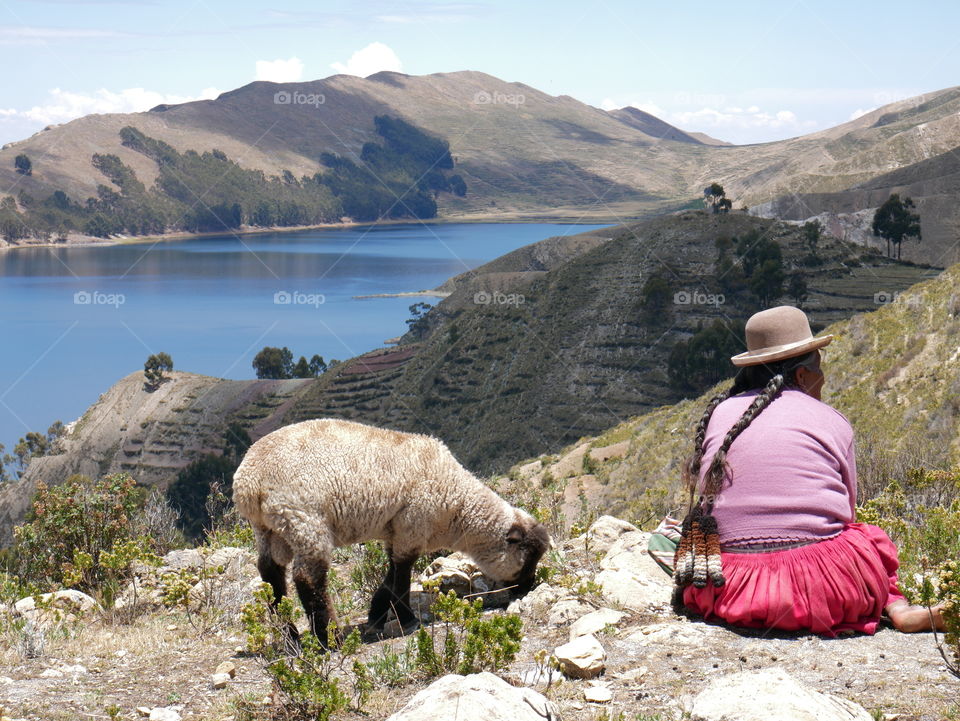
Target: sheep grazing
(310,487)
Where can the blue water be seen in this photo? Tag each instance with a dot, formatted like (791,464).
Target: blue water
(76,320)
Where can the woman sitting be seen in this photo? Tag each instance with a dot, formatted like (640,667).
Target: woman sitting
(771,540)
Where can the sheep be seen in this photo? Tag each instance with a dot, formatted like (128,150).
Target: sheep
(310,487)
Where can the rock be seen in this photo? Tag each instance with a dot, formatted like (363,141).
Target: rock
(671,633)
(567,610)
(595,621)
(460,574)
(143,710)
(605,531)
(51,673)
(630,578)
(183,558)
(74,670)
(227,667)
(48,608)
(477,697)
(538,601)
(583,657)
(770,695)
(164,714)
(598,694)
(615,450)
(632,674)
(220,680)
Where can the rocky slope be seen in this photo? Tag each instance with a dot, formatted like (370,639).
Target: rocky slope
(894,372)
(151,434)
(630,657)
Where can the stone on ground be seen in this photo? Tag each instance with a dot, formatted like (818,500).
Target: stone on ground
(477,697)
(770,695)
(583,657)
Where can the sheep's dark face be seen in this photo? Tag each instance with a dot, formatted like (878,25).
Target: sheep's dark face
(527,541)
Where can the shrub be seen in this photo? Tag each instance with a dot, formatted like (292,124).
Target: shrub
(76,533)
(469,643)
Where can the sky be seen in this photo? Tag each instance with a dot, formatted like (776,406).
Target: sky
(744,72)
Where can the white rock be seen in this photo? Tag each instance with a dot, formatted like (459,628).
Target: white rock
(220,680)
(567,611)
(595,621)
(143,711)
(227,667)
(52,606)
(671,633)
(51,673)
(630,578)
(458,573)
(604,532)
(164,714)
(770,695)
(597,694)
(538,601)
(4,680)
(583,657)
(477,697)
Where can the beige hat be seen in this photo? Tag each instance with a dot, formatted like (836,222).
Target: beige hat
(778,333)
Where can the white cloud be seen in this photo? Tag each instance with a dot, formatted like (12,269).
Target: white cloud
(371,59)
(280,71)
(64,105)
(27,35)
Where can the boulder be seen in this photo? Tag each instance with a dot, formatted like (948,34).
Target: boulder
(598,694)
(538,601)
(594,622)
(583,657)
(477,697)
(630,578)
(567,611)
(49,608)
(770,695)
(458,573)
(168,713)
(605,531)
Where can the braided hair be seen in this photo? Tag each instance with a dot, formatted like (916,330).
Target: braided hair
(772,378)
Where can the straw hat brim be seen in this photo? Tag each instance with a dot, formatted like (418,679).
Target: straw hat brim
(780,352)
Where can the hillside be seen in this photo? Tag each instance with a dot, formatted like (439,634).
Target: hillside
(528,353)
(521,152)
(151,435)
(894,372)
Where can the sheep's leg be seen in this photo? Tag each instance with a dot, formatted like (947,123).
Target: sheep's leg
(394,593)
(276,575)
(310,578)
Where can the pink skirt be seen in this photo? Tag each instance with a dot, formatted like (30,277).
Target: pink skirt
(829,587)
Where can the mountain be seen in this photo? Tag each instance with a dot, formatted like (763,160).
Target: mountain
(521,152)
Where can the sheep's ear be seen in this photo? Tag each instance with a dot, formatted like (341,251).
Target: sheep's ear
(515,534)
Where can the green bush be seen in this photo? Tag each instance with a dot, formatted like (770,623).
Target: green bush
(469,643)
(79,534)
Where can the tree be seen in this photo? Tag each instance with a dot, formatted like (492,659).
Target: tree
(766,282)
(274,363)
(23,165)
(894,222)
(655,297)
(317,366)
(696,364)
(154,369)
(302,369)
(715,198)
(417,322)
(812,231)
(797,288)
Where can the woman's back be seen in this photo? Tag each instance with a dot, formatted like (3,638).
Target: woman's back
(792,470)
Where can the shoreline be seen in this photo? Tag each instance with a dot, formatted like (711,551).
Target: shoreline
(85,241)
(406,294)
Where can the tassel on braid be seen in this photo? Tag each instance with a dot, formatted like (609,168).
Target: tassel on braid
(698,559)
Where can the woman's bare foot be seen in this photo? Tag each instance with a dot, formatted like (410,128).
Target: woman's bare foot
(911,619)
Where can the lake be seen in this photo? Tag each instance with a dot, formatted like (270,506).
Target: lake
(76,320)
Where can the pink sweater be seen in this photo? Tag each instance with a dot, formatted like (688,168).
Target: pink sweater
(794,477)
